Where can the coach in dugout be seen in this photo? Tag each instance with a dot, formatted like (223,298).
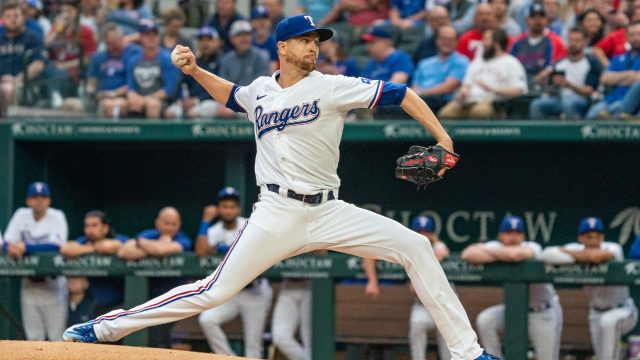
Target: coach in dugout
(99,237)
(33,229)
(163,240)
(22,51)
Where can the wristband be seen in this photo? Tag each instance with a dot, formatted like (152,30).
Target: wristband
(204,228)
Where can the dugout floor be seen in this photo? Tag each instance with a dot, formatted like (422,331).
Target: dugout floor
(42,350)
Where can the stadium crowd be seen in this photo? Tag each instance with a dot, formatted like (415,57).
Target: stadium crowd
(51,303)
(561,59)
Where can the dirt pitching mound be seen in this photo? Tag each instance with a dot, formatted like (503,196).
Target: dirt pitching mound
(42,350)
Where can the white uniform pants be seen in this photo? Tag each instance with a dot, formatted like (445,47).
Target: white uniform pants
(280,228)
(545,330)
(44,308)
(253,306)
(607,327)
(293,309)
(420,323)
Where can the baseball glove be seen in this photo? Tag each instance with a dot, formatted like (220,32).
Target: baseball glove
(421,165)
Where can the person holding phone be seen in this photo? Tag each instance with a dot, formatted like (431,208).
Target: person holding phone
(571,82)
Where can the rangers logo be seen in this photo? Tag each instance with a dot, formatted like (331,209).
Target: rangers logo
(432,159)
(279,120)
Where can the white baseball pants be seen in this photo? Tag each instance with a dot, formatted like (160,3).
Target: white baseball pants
(44,308)
(544,327)
(253,306)
(280,228)
(607,327)
(420,323)
(293,310)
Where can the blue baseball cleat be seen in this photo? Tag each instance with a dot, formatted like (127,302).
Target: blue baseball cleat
(486,356)
(80,333)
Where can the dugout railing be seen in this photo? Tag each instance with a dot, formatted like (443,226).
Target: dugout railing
(325,271)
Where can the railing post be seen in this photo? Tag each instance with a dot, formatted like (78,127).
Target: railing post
(323,319)
(136,292)
(516,338)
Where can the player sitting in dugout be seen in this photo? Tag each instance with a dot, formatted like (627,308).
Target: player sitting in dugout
(612,312)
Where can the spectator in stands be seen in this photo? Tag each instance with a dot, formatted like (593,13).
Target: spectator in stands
(173,19)
(253,302)
(504,21)
(107,75)
(538,48)
(406,14)
(263,37)
(552,13)
(33,229)
(197,103)
(245,62)
(573,80)
(99,237)
(89,15)
(545,312)
(152,80)
(496,75)
(437,78)
(634,252)
(163,240)
(470,44)
(361,13)
(70,46)
(22,52)
(34,12)
(612,312)
(461,12)
(622,72)
(275,9)
(29,22)
(128,16)
(420,321)
(594,25)
(334,60)
(387,63)
(437,18)
(225,15)
(81,308)
(319,10)
(613,44)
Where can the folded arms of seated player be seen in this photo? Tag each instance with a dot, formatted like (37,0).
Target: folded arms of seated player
(559,255)
(483,254)
(141,247)
(82,247)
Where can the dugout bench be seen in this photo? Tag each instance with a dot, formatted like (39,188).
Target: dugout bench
(325,271)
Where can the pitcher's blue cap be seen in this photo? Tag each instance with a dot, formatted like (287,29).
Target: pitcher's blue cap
(38,189)
(228,193)
(512,223)
(590,224)
(423,223)
(300,24)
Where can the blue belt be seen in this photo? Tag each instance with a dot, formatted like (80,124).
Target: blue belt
(307,199)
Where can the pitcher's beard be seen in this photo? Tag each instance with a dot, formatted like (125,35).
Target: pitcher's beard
(306,63)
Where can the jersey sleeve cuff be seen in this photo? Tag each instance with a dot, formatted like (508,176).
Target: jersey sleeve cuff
(391,94)
(232,103)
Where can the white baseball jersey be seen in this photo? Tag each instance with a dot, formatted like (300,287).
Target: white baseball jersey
(605,296)
(52,228)
(305,163)
(540,295)
(219,234)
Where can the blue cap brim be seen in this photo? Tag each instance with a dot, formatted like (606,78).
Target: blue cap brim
(324,34)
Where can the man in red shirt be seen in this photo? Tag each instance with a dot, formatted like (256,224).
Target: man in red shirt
(470,43)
